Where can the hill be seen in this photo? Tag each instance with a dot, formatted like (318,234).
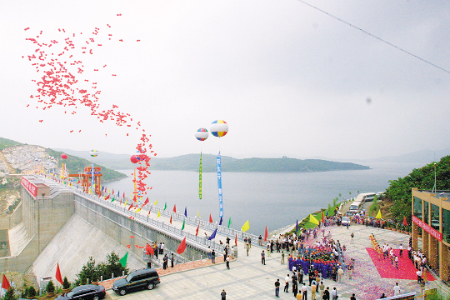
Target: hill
(17,157)
(190,162)
(400,190)
(229,164)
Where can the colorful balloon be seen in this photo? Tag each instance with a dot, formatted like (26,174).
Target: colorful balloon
(94,153)
(134,159)
(64,156)
(219,128)
(201,134)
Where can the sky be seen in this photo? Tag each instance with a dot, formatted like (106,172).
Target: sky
(288,79)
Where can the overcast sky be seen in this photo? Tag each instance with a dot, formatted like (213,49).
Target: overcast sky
(288,79)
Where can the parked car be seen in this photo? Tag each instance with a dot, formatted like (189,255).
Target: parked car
(345,221)
(85,292)
(137,280)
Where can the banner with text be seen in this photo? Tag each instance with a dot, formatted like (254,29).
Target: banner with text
(219,183)
(30,187)
(200,178)
(436,234)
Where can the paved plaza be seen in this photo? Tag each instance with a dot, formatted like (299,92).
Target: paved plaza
(249,279)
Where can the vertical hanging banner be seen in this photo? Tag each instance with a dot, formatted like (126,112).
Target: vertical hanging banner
(200,178)
(219,183)
(201,134)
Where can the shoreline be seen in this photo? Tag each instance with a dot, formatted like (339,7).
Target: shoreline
(275,233)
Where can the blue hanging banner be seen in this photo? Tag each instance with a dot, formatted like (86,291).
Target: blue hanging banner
(219,183)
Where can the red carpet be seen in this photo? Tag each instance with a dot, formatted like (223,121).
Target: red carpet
(405,269)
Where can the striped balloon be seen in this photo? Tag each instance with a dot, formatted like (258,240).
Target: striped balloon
(201,134)
(94,153)
(219,128)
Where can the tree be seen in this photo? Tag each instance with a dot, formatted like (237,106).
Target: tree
(50,287)
(10,294)
(113,266)
(400,190)
(88,271)
(66,283)
(31,293)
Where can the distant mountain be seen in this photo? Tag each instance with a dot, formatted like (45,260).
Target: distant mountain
(190,162)
(229,164)
(110,160)
(422,157)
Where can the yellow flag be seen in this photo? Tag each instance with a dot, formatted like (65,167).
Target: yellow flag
(159,213)
(138,210)
(379,214)
(198,214)
(245,227)
(156,202)
(126,201)
(90,191)
(313,220)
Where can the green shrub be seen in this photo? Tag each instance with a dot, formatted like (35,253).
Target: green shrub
(50,287)
(66,283)
(10,294)
(31,293)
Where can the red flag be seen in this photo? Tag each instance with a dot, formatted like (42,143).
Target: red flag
(323,218)
(405,223)
(149,250)
(149,211)
(175,208)
(128,246)
(170,219)
(235,240)
(131,236)
(196,231)
(182,246)
(210,219)
(123,195)
(5,283)
(107,197)
(130,206)
(58,274)
(266,234)
(146,202)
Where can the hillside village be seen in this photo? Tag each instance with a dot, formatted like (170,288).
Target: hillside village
(19,160)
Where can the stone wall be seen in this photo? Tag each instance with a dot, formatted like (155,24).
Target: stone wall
(120,228)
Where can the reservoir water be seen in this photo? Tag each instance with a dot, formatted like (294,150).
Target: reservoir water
(274,200)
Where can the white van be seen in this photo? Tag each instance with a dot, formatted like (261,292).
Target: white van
(354,207)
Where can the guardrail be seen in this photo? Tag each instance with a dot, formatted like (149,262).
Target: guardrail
(197,241)
(224,230)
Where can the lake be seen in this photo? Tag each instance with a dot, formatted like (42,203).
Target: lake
(274,200)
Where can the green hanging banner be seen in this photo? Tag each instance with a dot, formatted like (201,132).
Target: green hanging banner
(200,178)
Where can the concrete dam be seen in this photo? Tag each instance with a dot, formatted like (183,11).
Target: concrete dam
(58,223)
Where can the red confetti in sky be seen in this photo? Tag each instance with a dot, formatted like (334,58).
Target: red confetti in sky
(60,83)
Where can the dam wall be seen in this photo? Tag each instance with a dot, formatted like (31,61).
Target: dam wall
(118,225)
(35,222)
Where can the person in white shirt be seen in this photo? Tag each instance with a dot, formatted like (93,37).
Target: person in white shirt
(419,276)
(334,294)
(304,292)
(396,289)
(286,283)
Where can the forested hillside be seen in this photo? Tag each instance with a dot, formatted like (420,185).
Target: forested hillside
(400,190)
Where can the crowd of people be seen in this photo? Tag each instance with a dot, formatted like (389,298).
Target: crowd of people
(311,261)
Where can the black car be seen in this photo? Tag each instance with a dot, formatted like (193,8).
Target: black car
(85,292)
(137,280)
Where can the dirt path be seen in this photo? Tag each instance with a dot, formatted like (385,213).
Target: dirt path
(3,158)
